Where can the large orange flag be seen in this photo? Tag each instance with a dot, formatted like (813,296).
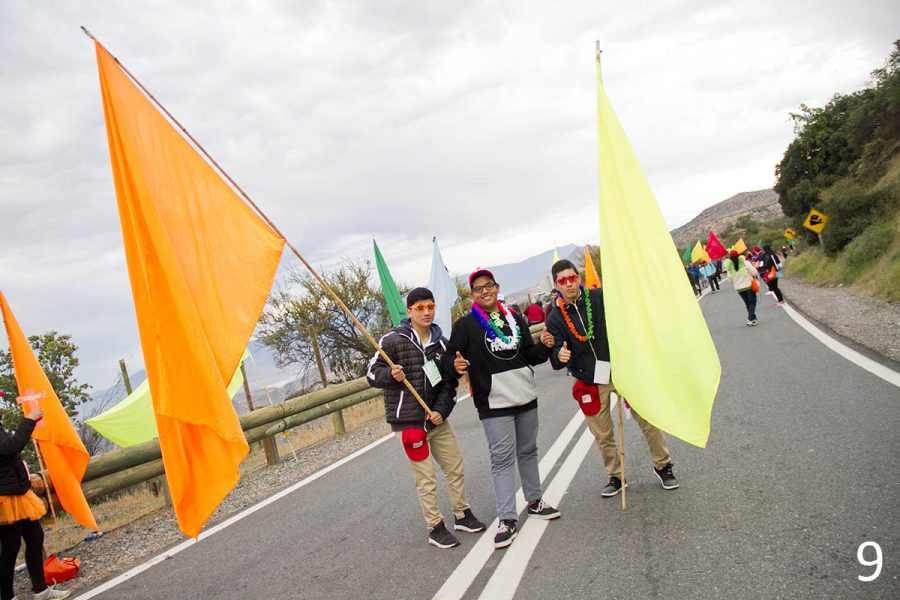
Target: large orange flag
(201,264)
(64,455)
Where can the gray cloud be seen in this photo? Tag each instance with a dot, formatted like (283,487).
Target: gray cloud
(471,120)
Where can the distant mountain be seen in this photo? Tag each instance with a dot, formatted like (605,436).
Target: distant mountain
(529,276)
(761,205)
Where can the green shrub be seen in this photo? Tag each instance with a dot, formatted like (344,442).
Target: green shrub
(867,249)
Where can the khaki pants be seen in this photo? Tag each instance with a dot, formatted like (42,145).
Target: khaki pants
(602,428)
(442,448)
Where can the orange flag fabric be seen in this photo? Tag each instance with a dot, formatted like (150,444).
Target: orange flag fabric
(64,455)
(591,279)
(201,265)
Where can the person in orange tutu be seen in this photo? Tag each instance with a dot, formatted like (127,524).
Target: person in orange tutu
(20,514)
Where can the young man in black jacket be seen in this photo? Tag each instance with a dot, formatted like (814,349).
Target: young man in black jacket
(578,326)
(495,346)
(416,348)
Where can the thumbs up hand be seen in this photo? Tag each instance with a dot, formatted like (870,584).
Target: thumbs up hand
(460,364)
(564,353)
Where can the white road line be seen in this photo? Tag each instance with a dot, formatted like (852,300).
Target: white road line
(508,574)
(470,566)
(853,356)
(230,521)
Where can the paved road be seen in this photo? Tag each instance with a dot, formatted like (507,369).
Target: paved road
(801,468)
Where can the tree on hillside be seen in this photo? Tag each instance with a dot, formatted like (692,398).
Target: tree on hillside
(294,314)
(56,354)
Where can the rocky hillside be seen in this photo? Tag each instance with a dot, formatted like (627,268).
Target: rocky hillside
(761,205)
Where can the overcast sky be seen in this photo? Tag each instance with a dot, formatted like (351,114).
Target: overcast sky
(472,120)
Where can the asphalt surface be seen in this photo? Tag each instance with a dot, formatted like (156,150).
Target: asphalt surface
(801,468)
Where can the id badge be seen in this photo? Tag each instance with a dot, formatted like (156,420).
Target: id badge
(433,373)
(601,371)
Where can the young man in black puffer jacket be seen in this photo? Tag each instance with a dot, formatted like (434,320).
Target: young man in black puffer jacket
(416,348)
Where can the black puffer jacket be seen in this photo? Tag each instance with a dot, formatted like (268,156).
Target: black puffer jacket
(13,476)
(584,354)
(402,345)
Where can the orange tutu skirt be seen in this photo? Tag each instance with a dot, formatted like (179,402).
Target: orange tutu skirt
(18,508)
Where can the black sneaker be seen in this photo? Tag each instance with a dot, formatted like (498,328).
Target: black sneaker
(506,533)
(469,522)
(440,537)
(540,510)
(612,488)
(666,478)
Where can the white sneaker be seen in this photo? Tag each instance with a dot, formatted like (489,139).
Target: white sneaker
(51,594)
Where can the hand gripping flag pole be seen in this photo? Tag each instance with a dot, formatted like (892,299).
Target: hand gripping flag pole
(265,218)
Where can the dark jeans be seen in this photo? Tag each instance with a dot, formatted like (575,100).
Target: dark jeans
(714,282)
(11,537)
(749,298)
(773,287)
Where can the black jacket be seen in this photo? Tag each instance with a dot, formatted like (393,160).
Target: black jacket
(502,380)
(584,355)
(401,409)
(13,476)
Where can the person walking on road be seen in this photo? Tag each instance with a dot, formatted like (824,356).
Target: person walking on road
(580,345)
(495,347)
(743,275)
(20,515)
(416,347)
(535,313)
(770,267)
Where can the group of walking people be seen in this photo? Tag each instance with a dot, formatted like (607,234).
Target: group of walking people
(494,347)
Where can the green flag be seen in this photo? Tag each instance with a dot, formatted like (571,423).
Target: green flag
(389,288)
(662,356)
(686,257)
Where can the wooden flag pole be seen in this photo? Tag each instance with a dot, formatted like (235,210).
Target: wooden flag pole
(265,218)
(37,451)
(621,407)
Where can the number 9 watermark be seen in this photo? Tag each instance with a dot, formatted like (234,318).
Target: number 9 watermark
(860,556)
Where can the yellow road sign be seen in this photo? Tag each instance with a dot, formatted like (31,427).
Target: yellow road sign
(815,221)
(790,233)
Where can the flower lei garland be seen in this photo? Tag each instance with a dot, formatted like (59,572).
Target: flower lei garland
(493,325)
(590,317)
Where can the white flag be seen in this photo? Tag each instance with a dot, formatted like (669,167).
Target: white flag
(444,289)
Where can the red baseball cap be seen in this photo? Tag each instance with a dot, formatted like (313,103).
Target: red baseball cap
(588,397)
(480,272)
(415,443)
(733,253)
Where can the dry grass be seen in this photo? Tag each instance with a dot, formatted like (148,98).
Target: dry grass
(116,511)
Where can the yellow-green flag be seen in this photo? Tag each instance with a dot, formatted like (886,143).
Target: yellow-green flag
(663,358)
(555,255)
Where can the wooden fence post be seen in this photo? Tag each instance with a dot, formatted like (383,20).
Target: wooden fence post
(269,445)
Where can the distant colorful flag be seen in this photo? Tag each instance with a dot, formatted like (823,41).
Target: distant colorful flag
(740,246)
(555,255)
(714,247)
(64,454)
(657,333)
(201,264)
(444,289)
(391,294)
(698,253)
(686,256)
(591,279)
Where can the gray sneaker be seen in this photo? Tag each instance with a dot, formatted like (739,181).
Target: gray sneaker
(612,488)
(51,594)
(666,478)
